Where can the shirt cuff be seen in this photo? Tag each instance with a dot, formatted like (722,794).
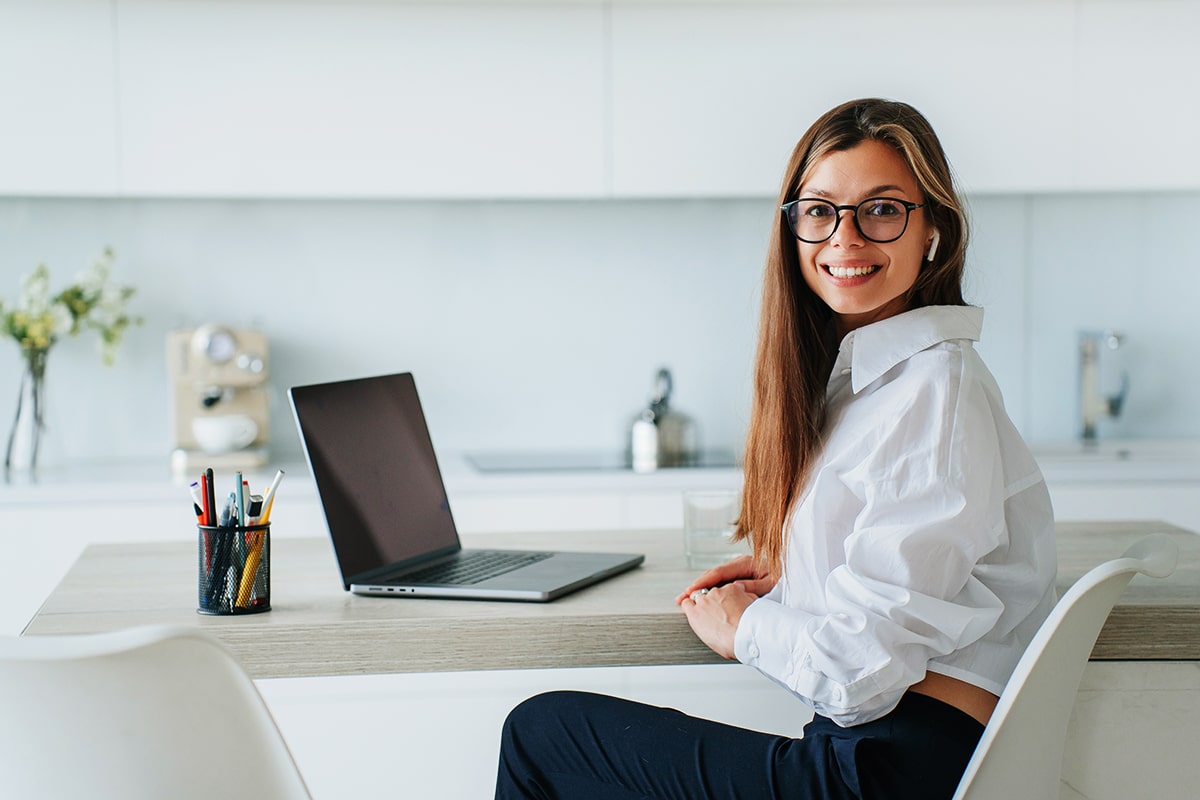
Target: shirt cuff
(760,640)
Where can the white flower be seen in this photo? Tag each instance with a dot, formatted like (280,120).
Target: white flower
(35,294)
(60,319)
(40,319)
(95,280)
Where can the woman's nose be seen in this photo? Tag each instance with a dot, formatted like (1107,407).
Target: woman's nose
(847,234)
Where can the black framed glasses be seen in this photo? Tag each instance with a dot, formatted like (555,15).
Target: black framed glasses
(878,219)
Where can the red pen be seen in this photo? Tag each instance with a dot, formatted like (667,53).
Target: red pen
(206,508)
(206,519)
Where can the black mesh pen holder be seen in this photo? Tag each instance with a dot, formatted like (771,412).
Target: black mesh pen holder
(234,568)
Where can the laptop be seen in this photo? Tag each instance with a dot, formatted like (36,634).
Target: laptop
(371,457)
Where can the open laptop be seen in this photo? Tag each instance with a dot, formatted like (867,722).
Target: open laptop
(385,505)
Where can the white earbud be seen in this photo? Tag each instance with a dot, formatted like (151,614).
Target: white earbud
(933,243)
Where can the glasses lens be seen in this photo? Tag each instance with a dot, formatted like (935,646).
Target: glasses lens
(882,220)
(813,220)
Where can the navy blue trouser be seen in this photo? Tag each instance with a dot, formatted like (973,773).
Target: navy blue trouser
(576,745)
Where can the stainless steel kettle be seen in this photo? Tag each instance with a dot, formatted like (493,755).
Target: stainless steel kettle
(659,436)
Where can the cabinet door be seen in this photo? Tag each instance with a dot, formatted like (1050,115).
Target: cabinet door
(709,100)
(59,135)
(361,99)
(1138,107)
(1173,502)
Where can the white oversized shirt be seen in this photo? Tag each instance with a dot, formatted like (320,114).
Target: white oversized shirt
(923,539)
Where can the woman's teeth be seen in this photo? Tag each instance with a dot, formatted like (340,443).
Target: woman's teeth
(851,272)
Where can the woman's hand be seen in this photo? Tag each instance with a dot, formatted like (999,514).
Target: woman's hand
(715,601)
(740,569)
(714,615)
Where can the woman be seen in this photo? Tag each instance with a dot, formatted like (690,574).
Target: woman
(903,551)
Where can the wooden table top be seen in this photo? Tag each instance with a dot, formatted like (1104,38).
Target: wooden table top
(315,628)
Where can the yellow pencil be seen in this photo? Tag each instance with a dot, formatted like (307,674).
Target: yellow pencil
(248,572)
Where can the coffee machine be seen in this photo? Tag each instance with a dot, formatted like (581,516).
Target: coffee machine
(219,398)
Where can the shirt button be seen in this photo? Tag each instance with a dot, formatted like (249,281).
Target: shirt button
(753,651)
(846,371)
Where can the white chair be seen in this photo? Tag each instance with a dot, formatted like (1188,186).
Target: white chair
(161,711)
(1021,752)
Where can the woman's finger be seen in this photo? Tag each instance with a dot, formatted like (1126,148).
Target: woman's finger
(739,568)
(758,587)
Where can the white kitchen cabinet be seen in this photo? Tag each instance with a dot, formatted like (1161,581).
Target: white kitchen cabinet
(57,101)
(708,99)
(360,99)
(1122,479)
(1137,110)
(576,98)
(1176,502)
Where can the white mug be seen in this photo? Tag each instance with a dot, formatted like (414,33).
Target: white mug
(223,433)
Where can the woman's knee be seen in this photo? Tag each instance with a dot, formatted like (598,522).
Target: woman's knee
(538,707)
(544,712)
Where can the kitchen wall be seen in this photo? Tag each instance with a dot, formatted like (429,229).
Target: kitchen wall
(540,324)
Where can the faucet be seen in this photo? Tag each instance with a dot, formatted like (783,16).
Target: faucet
(1093,404)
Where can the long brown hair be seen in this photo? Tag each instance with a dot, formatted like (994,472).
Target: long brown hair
(796,346)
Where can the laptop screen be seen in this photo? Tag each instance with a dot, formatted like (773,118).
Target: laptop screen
(373,462)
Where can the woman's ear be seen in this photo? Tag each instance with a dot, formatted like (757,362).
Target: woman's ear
(933,243)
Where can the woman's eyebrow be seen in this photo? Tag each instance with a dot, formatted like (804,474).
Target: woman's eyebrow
(887,187)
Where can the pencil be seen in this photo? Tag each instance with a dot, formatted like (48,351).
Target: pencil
(251,569)
(269,498)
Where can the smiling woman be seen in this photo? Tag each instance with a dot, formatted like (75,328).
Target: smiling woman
(903,550)
(858,151)
(865,271)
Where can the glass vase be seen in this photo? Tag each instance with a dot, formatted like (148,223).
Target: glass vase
(26,437)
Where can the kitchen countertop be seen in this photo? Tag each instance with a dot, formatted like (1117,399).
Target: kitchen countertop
(1126,460)
(103,482)
(1130,461)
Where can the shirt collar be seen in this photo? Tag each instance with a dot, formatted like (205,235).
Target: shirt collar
(876,348)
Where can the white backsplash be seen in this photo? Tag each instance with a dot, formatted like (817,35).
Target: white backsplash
(541,324)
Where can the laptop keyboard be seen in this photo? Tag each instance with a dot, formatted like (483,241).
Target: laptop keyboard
(476,566)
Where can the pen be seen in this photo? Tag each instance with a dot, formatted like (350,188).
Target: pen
(200,506)
(210,489)
(205,508)
(240,501)
(239,538)
(254,509)
(197,501)
(226,518)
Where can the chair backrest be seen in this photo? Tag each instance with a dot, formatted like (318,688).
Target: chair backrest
(149,712)
(1021,751)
